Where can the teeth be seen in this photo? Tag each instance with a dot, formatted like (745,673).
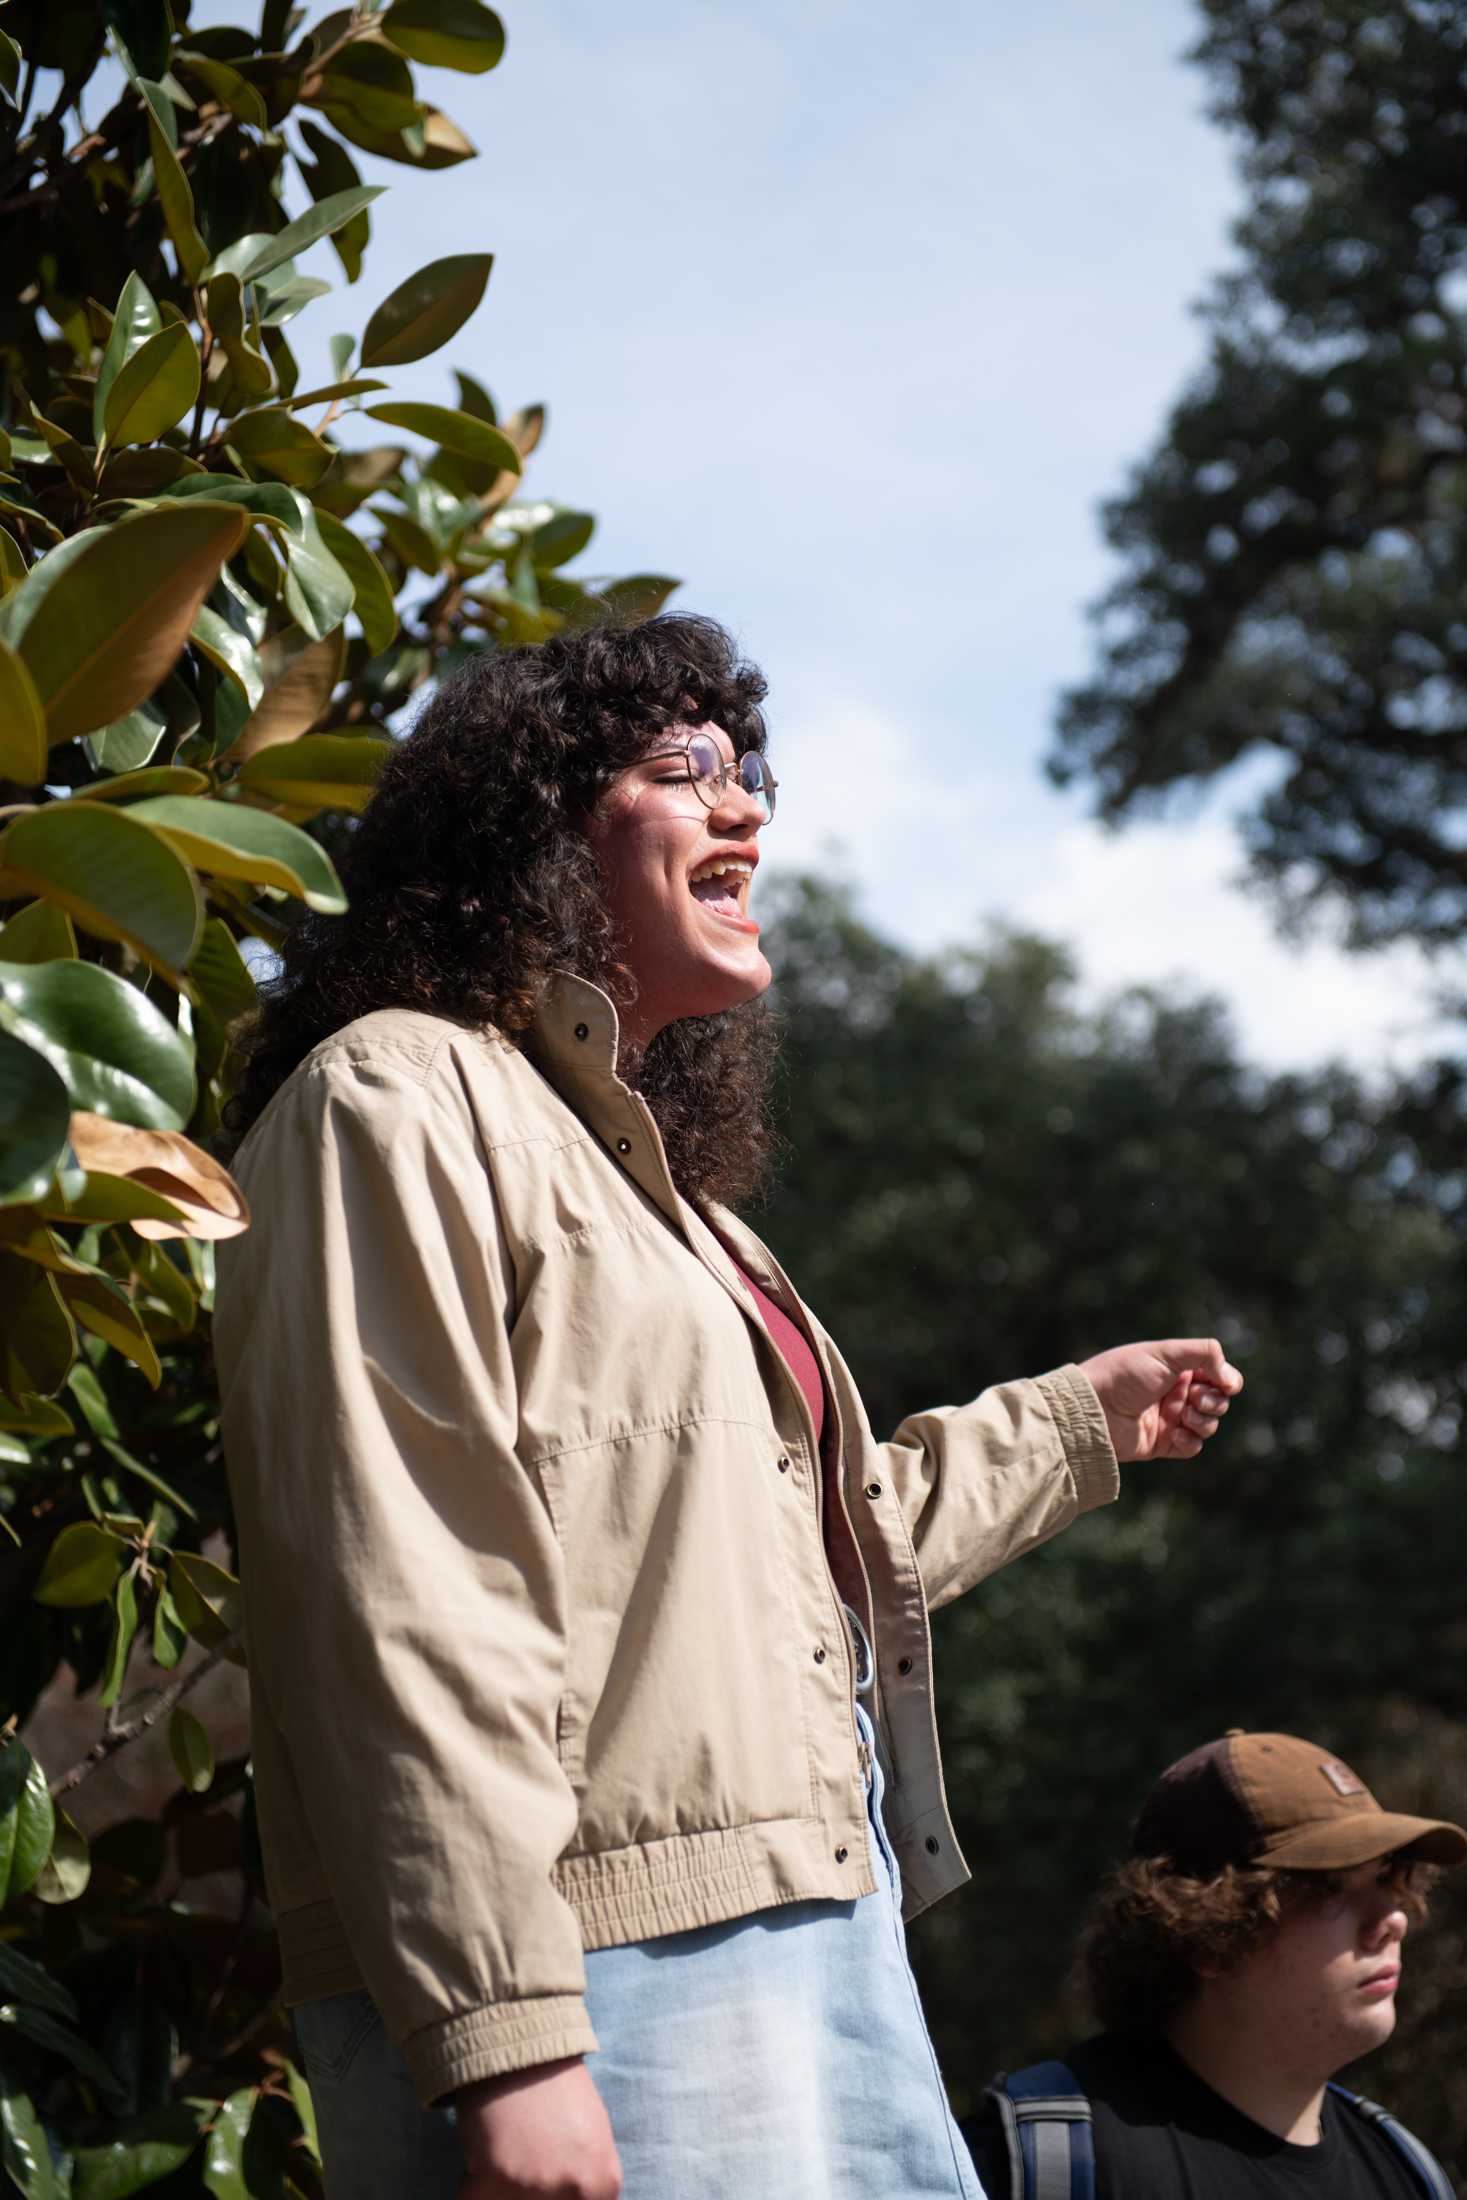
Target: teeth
(717,868)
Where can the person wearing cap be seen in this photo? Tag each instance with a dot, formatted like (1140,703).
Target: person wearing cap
(1247,1949)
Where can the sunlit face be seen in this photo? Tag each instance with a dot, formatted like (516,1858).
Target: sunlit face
(676,882)
(1323,1985)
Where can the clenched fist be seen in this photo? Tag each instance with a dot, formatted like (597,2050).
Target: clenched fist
(1164,1399)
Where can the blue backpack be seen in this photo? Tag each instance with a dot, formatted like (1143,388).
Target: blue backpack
(1047,2125)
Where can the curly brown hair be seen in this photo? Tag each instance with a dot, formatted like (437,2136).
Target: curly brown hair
(1152,1931)
(469,879)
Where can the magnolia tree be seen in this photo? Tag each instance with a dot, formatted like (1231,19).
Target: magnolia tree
(212,604)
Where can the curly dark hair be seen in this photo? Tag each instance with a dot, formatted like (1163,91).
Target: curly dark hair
(1151,1930)
(469,880)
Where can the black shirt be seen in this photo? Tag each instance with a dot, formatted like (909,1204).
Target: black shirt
(1161,2134)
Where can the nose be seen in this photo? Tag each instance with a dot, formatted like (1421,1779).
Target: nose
(1389,1925)
(745,810)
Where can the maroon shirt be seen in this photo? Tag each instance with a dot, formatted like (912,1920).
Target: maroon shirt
(794,1348)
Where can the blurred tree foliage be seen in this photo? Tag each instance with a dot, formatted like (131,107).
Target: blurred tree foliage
(1295,548)
(217,589)
(988,1182)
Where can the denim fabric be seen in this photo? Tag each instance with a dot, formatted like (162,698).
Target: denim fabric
(782,2056)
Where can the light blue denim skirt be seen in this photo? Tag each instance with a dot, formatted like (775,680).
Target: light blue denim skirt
(781,2056)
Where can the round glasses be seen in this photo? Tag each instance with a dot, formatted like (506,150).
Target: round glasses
(709,772)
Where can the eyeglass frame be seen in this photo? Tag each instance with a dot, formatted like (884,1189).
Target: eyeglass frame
(769,784)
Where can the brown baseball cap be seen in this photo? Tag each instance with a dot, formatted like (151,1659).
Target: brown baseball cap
(1272,1799)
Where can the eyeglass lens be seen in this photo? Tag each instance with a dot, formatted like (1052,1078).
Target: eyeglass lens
(709,771)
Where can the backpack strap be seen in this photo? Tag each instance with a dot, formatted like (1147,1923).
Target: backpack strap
(1428,2170)
(1047,2127)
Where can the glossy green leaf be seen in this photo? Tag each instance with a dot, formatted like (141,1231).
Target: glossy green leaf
(97,1304)
(641,596)
(97,861)
(456,431)
(232,841)
(120,1642)
(93,1196)
(155,389)
(117,1054)
(170,1636)
(333,170)
(474,398)
(35,1109)
(24,2148)
(36,1417)
(68,1868)
(12,563)
(274,442)
(374,602)
(424,312)
(285,509)
(323,771)
(224,84)
(192,1750)
(128,786)
(82,1566)
(23,743)
(224,2149)
(206,1597)
(38,1336)
(23,1979)
(136,319)
(230,652)
(356,386)
(101,620)
(9,65)
(365,89)
(27,1820)
(319,593)
(48,2031)
(40,932)
(446,34)
(413,544)
(220,975)
(174,194)
(125,745)
(146,2151)
(307,229)
(250,376)
(285,298)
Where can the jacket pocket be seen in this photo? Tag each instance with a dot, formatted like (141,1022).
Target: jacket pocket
(682,1709)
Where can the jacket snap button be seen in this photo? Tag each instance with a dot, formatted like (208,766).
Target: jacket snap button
(930,1844)
(873,1489)
(583,1031)
(820,1654)
(904,1665)
(782,1462)
(842,1853)
(623,1145)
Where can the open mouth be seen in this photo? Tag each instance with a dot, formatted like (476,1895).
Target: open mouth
(721,885)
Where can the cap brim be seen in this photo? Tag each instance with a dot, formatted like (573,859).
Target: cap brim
(1338,1844)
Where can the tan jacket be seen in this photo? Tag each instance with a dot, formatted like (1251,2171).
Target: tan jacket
(546,1652)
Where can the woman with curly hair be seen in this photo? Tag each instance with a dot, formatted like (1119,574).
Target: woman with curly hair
(587,1618)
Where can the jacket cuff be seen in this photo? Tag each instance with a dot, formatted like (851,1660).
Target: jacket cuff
(1089,1453)
(488,2043)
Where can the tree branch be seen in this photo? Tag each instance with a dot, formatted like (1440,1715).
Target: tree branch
(139,1722)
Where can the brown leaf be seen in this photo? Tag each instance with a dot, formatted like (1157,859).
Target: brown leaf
(167,1163)
(298,688)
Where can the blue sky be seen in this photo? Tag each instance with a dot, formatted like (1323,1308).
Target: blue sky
(851,325)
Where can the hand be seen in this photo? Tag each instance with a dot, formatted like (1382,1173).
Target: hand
(538,2134)
(1163,1400)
